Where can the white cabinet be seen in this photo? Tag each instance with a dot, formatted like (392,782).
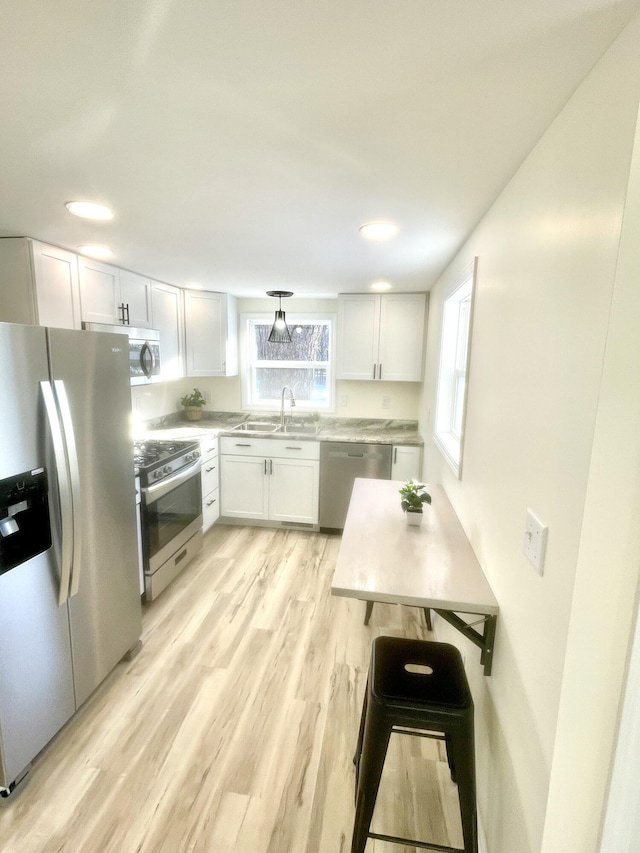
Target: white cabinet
(405,462)
(211,331)
(275,480)
(135,297)
(167,318)
(381,336)
(210,482)
(38,284)
(113,296)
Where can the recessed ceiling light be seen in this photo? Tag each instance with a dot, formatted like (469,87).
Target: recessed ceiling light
(381,285)
(378,230)
(89,210)
(99,252)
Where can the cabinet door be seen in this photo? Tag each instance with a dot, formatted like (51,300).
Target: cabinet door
(166,316)
(400,355)
(293,490)
(99,292)
(205,324)
(243,492)
(57,287)
(358,330)
(405,464)
(135,293)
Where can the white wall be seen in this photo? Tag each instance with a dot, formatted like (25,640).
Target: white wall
(547,254)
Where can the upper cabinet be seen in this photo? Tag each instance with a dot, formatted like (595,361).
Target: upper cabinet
(113,296)
(381,336)
(38,284)
(211,332)
(167,317)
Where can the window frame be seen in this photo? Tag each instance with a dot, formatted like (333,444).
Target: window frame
(249,404)
(447,438)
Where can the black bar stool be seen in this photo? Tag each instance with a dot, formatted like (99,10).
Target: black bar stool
(415,684)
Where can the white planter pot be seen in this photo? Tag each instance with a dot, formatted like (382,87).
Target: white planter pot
(414,517)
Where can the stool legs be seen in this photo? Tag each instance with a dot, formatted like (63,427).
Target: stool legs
(460,748)
(370,760)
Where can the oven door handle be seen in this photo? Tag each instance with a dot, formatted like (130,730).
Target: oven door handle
(159,490)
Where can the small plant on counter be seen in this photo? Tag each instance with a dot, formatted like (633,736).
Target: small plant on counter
(193,404)
(194,399)
(414,495)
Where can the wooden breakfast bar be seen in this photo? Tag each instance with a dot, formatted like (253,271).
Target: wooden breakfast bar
(431,565)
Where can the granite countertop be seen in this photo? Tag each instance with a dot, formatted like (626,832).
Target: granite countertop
(370,430)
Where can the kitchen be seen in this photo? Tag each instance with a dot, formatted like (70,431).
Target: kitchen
(548,426)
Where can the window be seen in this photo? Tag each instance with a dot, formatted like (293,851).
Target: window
(453,370)
(305,364)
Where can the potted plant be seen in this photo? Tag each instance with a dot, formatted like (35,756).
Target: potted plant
(413,496)
(193,404)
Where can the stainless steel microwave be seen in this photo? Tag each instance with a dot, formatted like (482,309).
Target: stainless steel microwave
(144,351)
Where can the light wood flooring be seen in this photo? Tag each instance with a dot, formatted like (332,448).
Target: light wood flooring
(234,728)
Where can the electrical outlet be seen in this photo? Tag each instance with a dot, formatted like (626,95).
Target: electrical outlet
(138,404)
(386,402)
(207,397)
(535,541)
(344,400)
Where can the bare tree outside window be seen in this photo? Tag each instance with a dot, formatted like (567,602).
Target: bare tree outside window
(303,364)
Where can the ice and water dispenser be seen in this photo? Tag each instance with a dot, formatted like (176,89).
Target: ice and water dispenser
(25,528)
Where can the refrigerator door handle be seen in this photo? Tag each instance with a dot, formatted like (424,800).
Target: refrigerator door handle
(74,477)
(64,485)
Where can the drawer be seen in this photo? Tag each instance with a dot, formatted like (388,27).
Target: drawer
(210,475)
(284,448)
(210,509)
(209,447)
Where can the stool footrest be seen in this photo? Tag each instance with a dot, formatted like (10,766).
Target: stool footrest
(403,730)
(411,842)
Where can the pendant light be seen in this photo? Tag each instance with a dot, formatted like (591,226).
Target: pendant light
(280,334)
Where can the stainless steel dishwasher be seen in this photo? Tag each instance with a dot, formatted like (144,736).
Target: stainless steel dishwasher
(340,464)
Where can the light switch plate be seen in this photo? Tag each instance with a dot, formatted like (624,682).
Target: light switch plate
(535,541)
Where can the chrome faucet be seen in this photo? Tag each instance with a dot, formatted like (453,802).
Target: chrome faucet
(293,402)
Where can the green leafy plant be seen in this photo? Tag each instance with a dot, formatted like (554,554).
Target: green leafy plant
(414,495)
(194,399)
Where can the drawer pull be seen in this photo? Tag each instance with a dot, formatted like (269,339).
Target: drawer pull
(292,448)
(213,468)
(211,502)
(243,445)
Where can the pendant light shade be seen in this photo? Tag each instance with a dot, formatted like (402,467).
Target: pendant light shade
(280,334)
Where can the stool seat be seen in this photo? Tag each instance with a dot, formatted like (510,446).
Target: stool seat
(446,684)
(419,685)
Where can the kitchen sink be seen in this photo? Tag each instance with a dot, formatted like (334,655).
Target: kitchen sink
(255,426)
(300,429)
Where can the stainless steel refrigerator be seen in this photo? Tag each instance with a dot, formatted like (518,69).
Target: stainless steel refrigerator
(69,597)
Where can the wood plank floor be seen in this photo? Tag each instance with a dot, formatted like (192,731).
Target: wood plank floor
(234,728)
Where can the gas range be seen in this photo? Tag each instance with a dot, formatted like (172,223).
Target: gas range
(158,459)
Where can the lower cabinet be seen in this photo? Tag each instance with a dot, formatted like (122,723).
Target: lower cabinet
(405,462)
(270,479)
(210,482)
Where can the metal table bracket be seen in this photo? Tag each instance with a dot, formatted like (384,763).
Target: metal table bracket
(484,640)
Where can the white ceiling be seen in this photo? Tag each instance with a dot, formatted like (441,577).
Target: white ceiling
(243,142)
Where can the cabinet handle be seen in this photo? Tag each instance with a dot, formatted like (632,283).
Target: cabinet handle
(213,468)
(395,455)
(265,467)
(210,503)
(379,371)
(289,447)
(271,466)
(374,371)
(242,445)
